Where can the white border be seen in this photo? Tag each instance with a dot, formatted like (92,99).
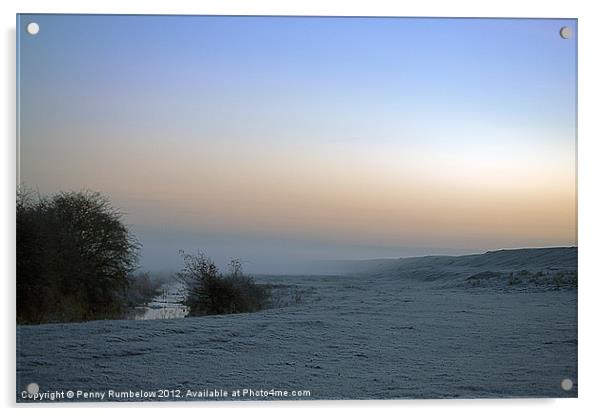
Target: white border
(590,186)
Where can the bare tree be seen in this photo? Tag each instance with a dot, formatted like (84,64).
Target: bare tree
(74,255)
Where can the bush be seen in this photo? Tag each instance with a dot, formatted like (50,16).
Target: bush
(211,293)
(73,258)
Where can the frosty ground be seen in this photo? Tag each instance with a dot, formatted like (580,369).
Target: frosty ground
(406,328)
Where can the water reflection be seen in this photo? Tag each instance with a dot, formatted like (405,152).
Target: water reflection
(167,305)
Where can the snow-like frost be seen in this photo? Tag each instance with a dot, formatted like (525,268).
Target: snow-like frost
(409,329)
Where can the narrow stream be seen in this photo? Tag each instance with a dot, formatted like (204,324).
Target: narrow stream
(167,305)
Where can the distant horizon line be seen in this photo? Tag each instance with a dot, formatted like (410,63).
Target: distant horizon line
(462,255)
(375,259)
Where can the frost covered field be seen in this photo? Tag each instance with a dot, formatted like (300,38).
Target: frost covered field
(501,324)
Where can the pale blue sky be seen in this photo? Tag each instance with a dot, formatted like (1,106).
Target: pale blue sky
(365,136)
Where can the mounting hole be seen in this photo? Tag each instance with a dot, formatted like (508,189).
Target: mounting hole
(565,32)
(33,28)
(567,384)
(33,388)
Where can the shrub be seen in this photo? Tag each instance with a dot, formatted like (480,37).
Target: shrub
(211,293)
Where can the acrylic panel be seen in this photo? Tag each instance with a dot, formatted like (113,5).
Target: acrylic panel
(295,208)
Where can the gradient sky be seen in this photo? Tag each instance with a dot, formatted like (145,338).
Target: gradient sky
(283,139)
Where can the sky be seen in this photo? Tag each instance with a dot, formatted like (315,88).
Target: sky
(283,140)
